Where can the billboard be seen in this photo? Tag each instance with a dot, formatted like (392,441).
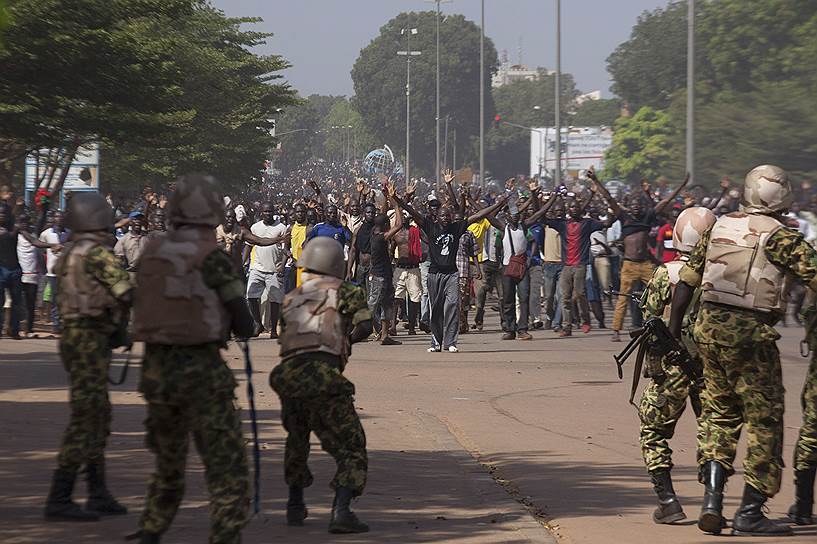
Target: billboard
(83,174)
(582,147)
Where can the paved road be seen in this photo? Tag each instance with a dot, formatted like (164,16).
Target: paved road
(502,442)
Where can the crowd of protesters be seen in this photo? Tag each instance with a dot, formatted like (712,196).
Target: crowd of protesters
(427,256)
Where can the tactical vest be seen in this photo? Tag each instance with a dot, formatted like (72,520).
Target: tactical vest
(173,305)
(81,295)
(737,272)
(312,321)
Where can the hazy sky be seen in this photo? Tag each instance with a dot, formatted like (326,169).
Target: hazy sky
(322,38)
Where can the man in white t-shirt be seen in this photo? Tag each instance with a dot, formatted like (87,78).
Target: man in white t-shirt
(56,234)
(267,269)
(28,255)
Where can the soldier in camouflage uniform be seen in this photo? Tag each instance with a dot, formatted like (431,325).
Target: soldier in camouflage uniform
(739,265)
(94,295)
(190,297)
(805,451)
(664,399)
(322,318)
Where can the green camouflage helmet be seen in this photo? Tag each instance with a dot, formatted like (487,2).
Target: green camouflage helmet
(323,255)
(195,202)
(766,190)
(87,212)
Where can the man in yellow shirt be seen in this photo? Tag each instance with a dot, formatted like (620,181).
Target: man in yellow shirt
(299,229)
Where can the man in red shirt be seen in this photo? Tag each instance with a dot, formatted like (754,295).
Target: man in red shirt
(664,251)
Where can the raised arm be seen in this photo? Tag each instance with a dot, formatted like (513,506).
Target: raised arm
(398,217)
(490,211)
(724,190)
(605,194)
(319,193)
(419,219)
(663,204)
(533,219)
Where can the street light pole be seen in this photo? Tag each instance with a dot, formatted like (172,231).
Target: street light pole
(408,53)
(482,96)
(437,171)
(690,155)
(557,178)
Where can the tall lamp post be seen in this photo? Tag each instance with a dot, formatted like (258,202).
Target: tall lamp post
(408,53)
(690,155)
(482,96)
(437,176)
(557,178)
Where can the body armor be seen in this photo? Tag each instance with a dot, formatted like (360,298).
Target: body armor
(313,323)
(173,305)
(80,294)
(737,272)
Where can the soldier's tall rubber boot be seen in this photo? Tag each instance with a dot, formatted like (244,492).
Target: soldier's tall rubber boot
(59,506)
(343,519)
(713,476)
(100,499)
(144,537)
(296,508)
(749,519)
(669,509)
(801,512)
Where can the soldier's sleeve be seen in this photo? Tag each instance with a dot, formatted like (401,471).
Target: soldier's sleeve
(692,272)
(106,268)
(788,249)
(657,294)
(352,302)
(219,273)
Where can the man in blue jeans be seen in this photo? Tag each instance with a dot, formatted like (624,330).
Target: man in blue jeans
(10,273)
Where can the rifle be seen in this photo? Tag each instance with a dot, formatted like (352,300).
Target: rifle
(256,449)
(635,295)
(665,345)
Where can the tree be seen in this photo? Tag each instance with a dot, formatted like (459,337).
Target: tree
(507,146)
(641,146)
(592,113)
(345,135)
(300,129)
(379,77)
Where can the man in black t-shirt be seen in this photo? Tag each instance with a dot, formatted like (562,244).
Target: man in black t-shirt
(10,272)
(443,237)
(381,282)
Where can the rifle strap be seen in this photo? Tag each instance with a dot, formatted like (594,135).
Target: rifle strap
(639,364)
(256,450)
(124,374)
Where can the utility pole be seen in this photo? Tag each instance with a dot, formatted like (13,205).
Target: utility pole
(557,178)
(408,53)
(481,97)
(437,163)
(445,145)
(690,158)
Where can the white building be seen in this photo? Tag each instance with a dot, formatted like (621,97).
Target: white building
(582,147)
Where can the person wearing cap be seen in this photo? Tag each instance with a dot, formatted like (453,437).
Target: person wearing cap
(320,320)
(189,299)
(129,248)
(95,295)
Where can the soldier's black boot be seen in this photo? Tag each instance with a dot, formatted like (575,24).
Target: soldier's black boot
(144,537)
(749,519)
(343,519)
(669,509)
(296,508)
(100,499)
(801,511)
(59,506)
(713,476)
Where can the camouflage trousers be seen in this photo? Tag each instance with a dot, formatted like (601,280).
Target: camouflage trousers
(662,404)
(86,356)
(743,387)
(189,390)
(316,397)
(805,452)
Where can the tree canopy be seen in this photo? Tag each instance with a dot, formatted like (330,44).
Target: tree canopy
(379,77)
(641,146)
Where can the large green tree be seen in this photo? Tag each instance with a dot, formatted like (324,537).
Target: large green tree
(592,113)
(379,77)
(641,146)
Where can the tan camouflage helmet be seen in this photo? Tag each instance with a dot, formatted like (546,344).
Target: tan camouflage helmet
(690,226)
(766,190)
(323,255)
(195,202)
(88,212)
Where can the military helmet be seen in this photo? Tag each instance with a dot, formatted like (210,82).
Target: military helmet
(690,226)
(195,202)
(323,255)
(766,190)
(88,211)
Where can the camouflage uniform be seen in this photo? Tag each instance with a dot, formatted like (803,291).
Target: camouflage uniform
(190,390)
(86,354)
(664,400)
(805,452)
(742,373)
(316,397)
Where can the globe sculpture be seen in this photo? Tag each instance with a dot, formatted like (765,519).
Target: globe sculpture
(381,161)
